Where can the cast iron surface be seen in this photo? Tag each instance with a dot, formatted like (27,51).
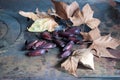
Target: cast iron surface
(10,29)
(15,65)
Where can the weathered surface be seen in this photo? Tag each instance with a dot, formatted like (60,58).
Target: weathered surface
(14,64)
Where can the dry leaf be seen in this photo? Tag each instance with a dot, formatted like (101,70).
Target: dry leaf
(43,21)
(43,24)
(73,13)
(115,53)
(63,10)
(86,36)
(41,14)
(49,11)
(34,16)
(72,8)
(52,12)
(71,65)
(100,43)
(84,56)
(103,42)
(30,15)
(85,17)
(60,8)
(92,35)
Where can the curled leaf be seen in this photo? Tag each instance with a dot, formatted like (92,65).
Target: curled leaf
(71,65)
(30,15)
(84,56)
(64,10)
(85,17)
(60,8)
(72,12)
(43,21)
(72,8)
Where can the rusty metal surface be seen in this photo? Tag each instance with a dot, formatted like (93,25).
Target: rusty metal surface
(15,65)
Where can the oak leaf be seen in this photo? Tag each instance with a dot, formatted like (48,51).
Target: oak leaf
(84,56)
(85,17)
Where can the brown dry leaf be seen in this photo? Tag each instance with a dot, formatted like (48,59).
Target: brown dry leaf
(100,43)
(70,65)
(84,56)
(114,52)
(42,21)
(73,13)
(60,8)
(34,16)
(30,15)
(63,10)
(103,42)
(86,36)
(41,14)
(72,8)
(85,17)
(49,11)
(92,35)
(52,12)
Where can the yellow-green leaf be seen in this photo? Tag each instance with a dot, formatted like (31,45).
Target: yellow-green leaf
(43,24)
